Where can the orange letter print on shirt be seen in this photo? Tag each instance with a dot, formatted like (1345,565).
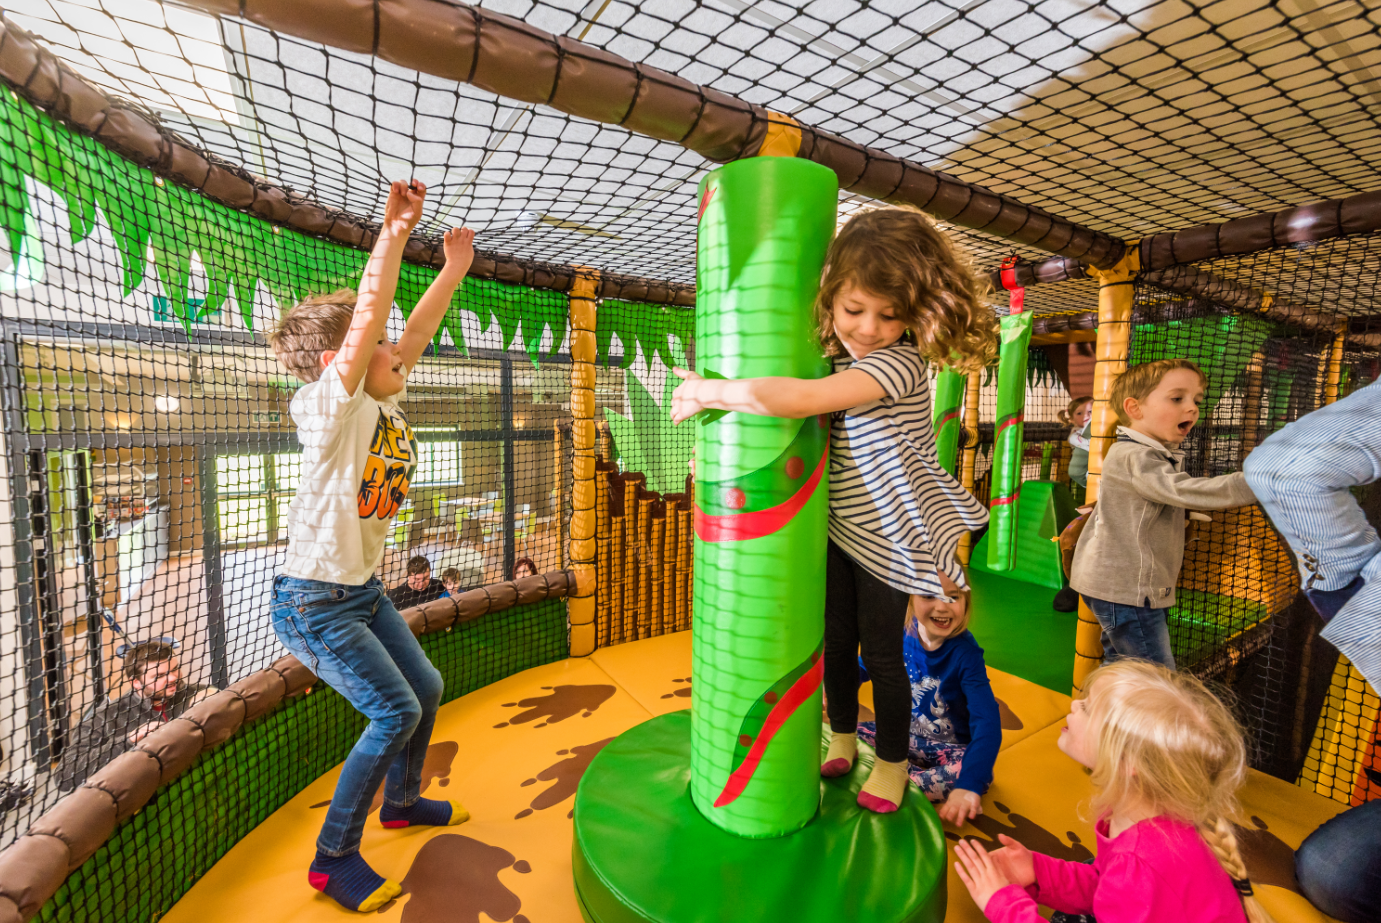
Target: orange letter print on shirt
(387,470)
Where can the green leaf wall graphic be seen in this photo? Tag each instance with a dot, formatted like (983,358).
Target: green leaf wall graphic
(238,252)
(647,441)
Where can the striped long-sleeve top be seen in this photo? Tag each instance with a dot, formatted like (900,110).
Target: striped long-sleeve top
(893,509)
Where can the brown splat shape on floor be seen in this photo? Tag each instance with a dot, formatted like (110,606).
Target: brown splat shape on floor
(436,768)
(454,879)
(1010,721)
(1029,834)
(562,703)
(1269,859)
(681,693)
(566,774)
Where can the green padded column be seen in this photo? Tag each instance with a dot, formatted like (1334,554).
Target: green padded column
(761,500)
(1007,441)
(949,402)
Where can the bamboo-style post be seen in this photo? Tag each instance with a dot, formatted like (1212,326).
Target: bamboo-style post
(671,601)
(630,560)
(559,472)
(580,605)
(1062,458)
(687,552)
(646,556)
(657,621)
(616,578)
(604,613)
(1116,292)
(1251,405)
(1333,383)
(966,469)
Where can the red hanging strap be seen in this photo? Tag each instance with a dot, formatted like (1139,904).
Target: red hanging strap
(1017,293)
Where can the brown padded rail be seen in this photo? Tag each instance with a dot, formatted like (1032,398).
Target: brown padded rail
(34,866)
(1302,224)
(46,81)
(1056,269)
(508,57)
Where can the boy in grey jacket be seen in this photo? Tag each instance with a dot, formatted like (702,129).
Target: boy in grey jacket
(1128,559)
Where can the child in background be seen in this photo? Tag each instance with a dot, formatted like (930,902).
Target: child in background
(894,294)
(1078,416)
(956,730)
(450,579)
(329,607)
(1128,559)
(1167,760)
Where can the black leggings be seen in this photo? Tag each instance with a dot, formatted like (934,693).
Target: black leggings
(862,611)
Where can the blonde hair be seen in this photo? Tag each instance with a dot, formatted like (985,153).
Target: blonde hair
(1139,381)
(310,328)
(1071,412)
(897,254)
(961,621)
(1169,745)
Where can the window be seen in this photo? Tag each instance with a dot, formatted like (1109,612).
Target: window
(252,496)
(438,463)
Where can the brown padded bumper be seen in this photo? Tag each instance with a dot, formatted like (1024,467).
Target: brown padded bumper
(34,866)
(508,57)
(32,70)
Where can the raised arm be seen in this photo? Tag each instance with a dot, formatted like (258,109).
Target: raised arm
(1156,481)
(379,283)
(426,318)
(793,398)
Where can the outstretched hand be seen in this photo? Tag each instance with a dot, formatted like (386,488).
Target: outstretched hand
(979,873)
(1015,861)
(459,247)
(685,400)
(404,207)
(961,806)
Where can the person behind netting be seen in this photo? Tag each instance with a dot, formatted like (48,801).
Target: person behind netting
(1303,475)
(1128,558)
(157,694)
(956,729)
(419,587)
(1167,759)
(524,567)
(1078,416)
(894,294)
(330,609)
(450,579)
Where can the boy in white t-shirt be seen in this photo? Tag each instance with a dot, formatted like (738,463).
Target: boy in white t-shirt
(329,608)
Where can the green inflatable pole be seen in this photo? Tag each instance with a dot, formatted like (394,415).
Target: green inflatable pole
(761,501)
(1007,440)
(949,404)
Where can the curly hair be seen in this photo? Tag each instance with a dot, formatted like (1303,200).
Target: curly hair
(310,328)
(897,254)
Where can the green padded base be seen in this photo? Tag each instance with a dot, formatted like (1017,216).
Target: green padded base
(642,852)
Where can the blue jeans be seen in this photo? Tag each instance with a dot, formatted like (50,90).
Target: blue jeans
(1303,475)
(1339,865)
(353,638)
(1133,631)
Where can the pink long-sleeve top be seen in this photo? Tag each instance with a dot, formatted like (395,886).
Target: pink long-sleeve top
(1156,870)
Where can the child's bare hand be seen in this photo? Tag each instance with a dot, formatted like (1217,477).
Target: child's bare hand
(978,872)
(1015,861)
(961,806)
(404,208)
(459,246)
(685,400)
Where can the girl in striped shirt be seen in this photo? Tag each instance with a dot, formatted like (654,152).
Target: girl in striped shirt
(894,294)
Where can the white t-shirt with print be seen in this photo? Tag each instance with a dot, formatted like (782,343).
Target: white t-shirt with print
(358,458)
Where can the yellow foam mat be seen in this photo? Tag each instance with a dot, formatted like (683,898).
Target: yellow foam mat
(514,752)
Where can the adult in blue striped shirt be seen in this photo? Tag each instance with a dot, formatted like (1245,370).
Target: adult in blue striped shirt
(894,294)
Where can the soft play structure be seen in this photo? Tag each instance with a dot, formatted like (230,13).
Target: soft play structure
(632,651)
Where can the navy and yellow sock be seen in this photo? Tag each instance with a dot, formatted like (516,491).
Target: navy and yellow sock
(424,812)
(350,882)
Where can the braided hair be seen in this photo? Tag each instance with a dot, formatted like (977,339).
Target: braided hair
(1168,744)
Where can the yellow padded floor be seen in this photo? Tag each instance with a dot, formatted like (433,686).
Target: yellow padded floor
(514,753)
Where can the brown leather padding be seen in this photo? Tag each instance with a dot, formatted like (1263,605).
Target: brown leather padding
(1069,540)
(34,866)
(37,74)
(522,62)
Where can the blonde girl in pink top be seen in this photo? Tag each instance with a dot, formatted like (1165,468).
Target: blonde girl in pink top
(1167,760)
